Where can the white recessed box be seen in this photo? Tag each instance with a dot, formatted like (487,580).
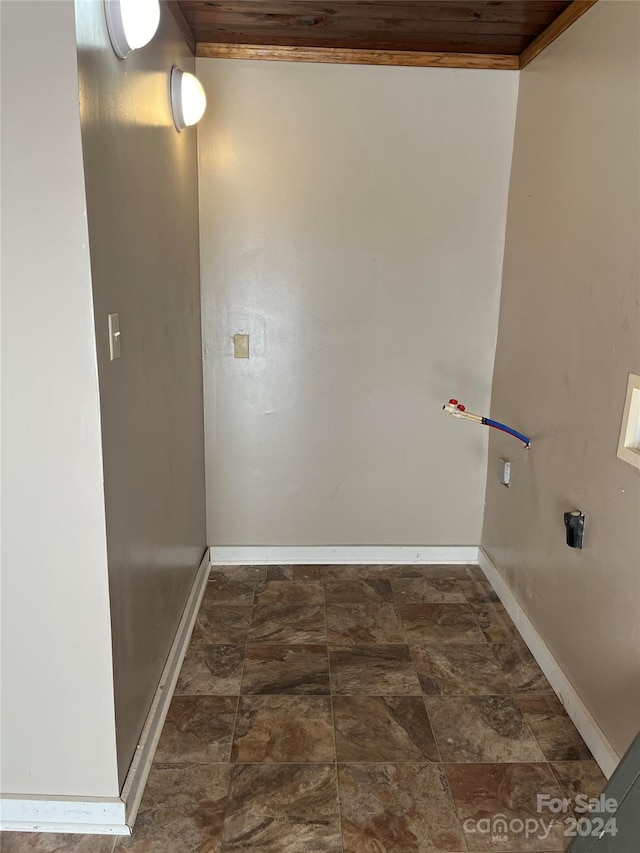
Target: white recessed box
(629,444)
(241,346)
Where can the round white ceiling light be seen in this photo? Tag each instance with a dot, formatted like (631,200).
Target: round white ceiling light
(131,24)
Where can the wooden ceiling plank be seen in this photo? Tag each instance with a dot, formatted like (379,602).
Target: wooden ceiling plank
(511,46)
(505,11)
(556,28)
(278,15)
(357,57)
(200,20)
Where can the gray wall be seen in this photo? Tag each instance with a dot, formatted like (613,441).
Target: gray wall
(58,728)
(569,335)
(142,205)
(352,222)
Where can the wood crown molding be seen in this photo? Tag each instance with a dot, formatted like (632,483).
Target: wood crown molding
(181,21)
(348,56)
(555,28)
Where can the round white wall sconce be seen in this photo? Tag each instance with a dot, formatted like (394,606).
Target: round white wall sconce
(131,24)
(188,100)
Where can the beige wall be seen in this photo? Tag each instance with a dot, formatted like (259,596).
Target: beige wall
(352,222)
(58,731)
(142,203)
(569,335)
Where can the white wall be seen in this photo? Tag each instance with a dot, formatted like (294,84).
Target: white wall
(569,335)
(58,730)
(352,222)
(142,206)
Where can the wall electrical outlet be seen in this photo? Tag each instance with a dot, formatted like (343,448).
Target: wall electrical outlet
(114,336)
(504,472)
(241,346)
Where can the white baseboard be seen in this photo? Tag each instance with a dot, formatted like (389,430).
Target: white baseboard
(340,554)
(98,816)
(592,734)
(138,773)
(112,816)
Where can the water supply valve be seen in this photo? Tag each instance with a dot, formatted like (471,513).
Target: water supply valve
(457,410)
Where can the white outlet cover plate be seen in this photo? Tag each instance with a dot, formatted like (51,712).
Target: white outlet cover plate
(504,472)
(114,336)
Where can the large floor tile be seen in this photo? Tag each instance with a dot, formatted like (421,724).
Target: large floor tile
(211,670)
(495,623)
(295,573)
(435,572)
(222,624)
(346,572)
(282,808)
(481,729)
(273,668)
(362,591)
(383,728)
(428,590)
(440,623)
(53,842)
(558,737)
(458,669)
(222,589)
(479,591)
(294,729)
(198,730)
(522,673)
(289,592)
(579,777)
(288,623)
(498,806)
(398,808)
(373,670)
(183,808)
(476,573)
(241,573)
(357,624)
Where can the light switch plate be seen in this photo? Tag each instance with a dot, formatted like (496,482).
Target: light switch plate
(114,336)
(241,346)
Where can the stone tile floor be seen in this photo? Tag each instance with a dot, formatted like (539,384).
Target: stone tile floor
(353,709)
